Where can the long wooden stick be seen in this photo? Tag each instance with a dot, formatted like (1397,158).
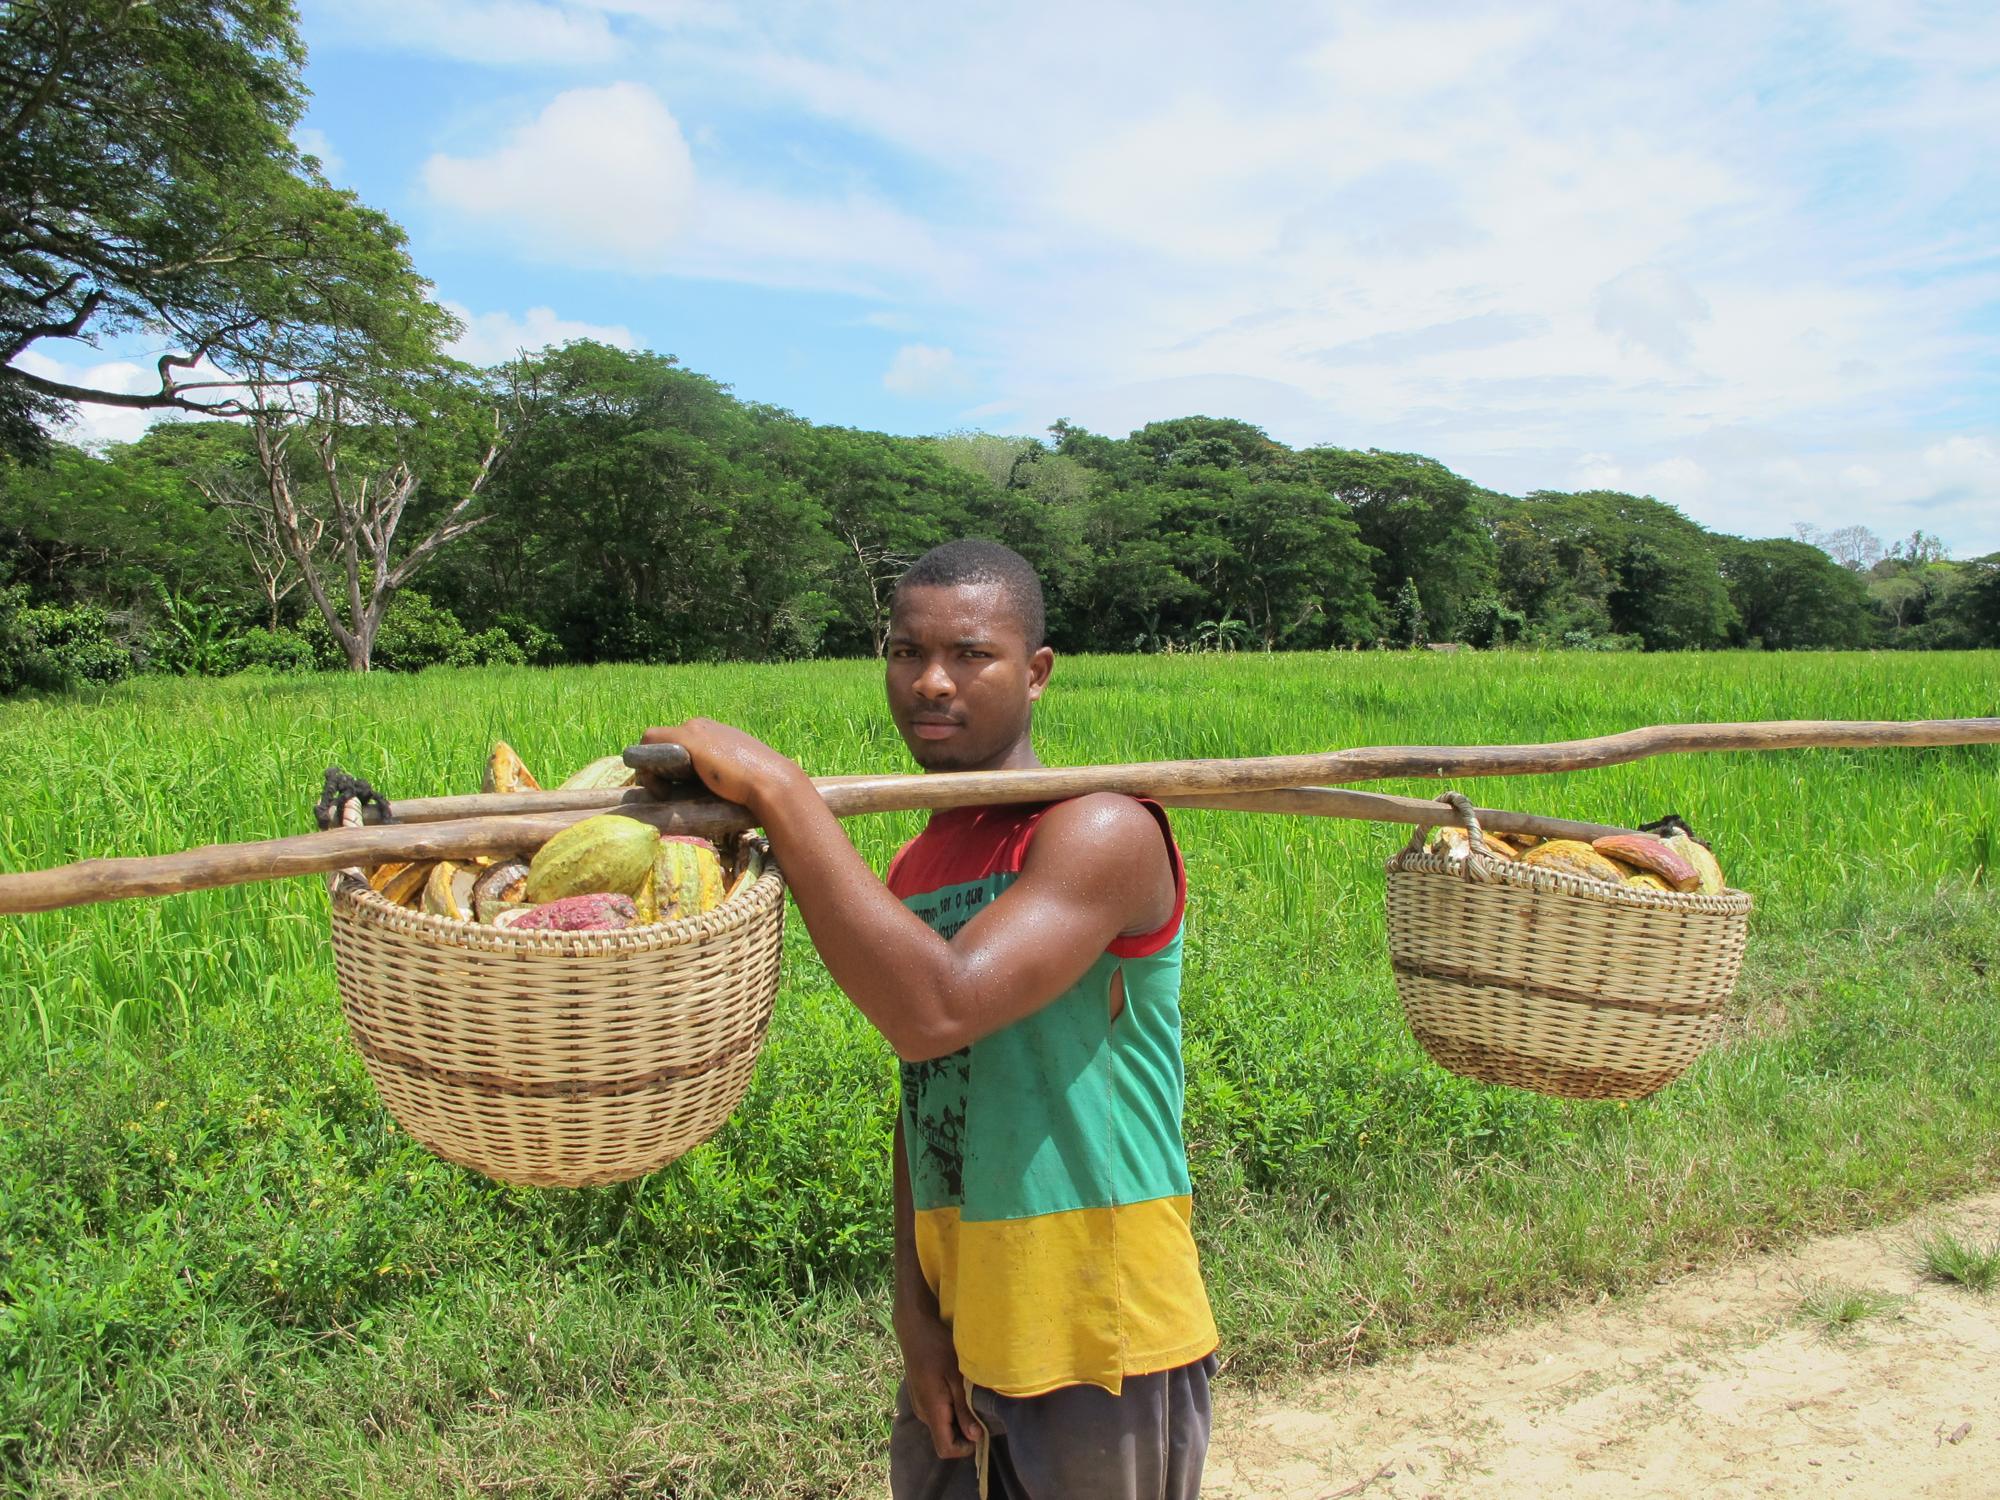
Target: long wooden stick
(1376,763)
(1279,782)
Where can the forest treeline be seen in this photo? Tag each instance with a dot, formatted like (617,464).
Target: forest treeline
(642,512)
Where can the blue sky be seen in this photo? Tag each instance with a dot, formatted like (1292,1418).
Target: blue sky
(1744,257)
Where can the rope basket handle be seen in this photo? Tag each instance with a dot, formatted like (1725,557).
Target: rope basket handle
(1478,864)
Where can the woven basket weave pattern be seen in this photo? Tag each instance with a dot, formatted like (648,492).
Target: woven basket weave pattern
(1543,980)
(559,1059)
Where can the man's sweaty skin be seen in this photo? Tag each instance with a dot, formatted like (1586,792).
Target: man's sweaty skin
(961,683)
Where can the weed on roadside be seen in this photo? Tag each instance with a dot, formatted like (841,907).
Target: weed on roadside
(1834,1307)
(1946,1257)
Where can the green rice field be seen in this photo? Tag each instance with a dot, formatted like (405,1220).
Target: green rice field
(223,1271)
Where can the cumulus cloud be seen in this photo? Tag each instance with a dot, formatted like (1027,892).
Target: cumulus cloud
(924,370)
(602,176)
(491,338)
(93,425)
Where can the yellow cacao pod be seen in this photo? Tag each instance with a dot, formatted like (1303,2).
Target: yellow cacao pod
(505,773)
(406,886)
(448,891)
(1698,855)
(1645,880)
(1573,857)
(604,853)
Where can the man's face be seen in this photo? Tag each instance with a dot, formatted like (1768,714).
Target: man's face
(961,678)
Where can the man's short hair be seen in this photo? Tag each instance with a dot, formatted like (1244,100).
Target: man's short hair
(974,561)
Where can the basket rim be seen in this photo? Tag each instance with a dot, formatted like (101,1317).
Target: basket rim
(371,906)
(1542,880)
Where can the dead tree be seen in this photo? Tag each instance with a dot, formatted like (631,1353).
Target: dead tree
(338,528)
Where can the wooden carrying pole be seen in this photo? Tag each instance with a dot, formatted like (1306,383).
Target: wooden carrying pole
(517,823)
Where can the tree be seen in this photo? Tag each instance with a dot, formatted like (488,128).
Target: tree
(1854,547)
(149,182)
(1792,597)
(1408,615)
(1423,522)
(336,509)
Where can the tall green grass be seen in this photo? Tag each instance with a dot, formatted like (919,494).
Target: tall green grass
(222,1269)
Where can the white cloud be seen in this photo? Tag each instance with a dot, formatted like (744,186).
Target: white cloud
(601,177)
(314,143)
(924,370)
(495,32)
(93,424)
(491,338)
(1651,307)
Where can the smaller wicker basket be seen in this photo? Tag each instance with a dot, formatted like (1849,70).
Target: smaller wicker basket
(1520,975)
(559,1059)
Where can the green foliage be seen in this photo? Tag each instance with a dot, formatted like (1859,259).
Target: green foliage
(415,634)
(51,649)
(1789,596)
(150,182)
(282,651)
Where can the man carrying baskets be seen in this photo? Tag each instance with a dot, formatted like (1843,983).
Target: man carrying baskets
(1024,963)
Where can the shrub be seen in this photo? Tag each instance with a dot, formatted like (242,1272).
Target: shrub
(280,650)
(538,647)
(53,649)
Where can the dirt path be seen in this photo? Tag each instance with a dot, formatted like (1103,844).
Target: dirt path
(1710,1386)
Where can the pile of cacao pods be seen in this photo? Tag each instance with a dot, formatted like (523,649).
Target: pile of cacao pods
(604,874)
(1667,858)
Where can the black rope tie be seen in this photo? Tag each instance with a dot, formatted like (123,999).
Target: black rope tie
(342,788)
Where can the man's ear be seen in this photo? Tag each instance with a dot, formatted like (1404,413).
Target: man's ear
(1040,664)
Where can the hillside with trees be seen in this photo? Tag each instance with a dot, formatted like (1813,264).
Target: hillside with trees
(639,511)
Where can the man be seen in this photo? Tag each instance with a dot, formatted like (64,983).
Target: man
(1024,963)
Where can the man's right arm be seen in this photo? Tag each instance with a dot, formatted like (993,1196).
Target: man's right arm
(930,1360)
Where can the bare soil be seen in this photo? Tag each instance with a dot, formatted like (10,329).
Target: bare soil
(1713,1385)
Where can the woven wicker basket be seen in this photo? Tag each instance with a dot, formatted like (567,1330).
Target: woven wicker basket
(559,1059)
(1526,976)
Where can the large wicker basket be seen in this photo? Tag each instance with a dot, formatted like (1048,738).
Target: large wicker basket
(1526,976)
(559,1059)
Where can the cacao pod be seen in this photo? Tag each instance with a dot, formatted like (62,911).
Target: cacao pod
(505,773)
(1655,856)
(406,886)
(499,885)
(381,875)
(608,771)
(1573,857)
(1645,880)
(687,876)
(593,911)
(1697,854)
(1452,843)
(604,853)
(448,891)
(748,865)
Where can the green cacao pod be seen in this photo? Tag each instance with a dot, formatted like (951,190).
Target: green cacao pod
(605,773)
(604,853)
(687,876)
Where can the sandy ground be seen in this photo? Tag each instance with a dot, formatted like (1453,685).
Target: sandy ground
(1712,1386)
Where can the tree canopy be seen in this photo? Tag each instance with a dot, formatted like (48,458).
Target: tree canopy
(149,182)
